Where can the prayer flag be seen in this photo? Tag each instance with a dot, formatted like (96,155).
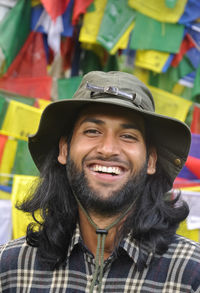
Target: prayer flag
(7,160)
(123,41)
(191,12)
(194,152)
(14,30)
(167,80)
(196,87)
(6,221)
(23,163)
(165,37)
(186,45)
(3,108)
(3,140)
(80,7)
(91,22)
(34,87)
(21,120)
(55,8)
(31,60)
(191,234)
(150,59)
(68,86)
(21,190)
(195,125)
(170,105)
(118,17)
(193,164)
(159,10)
(37,11)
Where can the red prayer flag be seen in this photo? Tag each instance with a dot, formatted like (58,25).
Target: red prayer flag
(34,87)
(195,125)
(31,60)
(3,140)
(186,45)
(55,8)
(193,164)
(80,7)
(27,75)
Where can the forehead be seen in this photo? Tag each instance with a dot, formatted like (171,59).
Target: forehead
(112,112)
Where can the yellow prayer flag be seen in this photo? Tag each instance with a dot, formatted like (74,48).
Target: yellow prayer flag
(20,190)
(158,9)
(150,59)
(96,48)
(191,188)
(141,73)
(169,104)
(91,22)
(123,41)
(43,103)
(7,160)
(21,120)
(178,89)
(191,234)
(5,195)
(35,2)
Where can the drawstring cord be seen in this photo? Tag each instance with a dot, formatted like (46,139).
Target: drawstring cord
(101,238)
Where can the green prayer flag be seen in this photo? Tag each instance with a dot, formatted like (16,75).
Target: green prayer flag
(3,108)
(10,96)
(90,62)
(196,87)
(166,81)
(111,64)
(117,18)
(150,34)
(170,3)
(68,86)
(24,164)
(14,29)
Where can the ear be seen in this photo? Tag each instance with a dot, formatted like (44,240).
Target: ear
(151,168)
(62,157)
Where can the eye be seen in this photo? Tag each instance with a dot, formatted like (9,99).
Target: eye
(129,137)
(91,132)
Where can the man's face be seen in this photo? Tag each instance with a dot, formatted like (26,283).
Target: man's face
(108,147)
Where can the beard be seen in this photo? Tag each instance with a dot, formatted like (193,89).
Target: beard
(116,202)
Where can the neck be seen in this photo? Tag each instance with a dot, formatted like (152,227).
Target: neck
(89,235)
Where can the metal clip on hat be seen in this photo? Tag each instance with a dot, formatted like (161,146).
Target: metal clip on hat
(111,90)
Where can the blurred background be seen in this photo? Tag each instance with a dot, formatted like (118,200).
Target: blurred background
(45,48)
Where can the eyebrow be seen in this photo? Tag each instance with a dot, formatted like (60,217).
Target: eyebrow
(123,125)
(92,120)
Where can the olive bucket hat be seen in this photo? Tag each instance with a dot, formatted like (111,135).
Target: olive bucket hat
(171,137)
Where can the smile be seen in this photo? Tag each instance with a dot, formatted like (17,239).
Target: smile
(106,169)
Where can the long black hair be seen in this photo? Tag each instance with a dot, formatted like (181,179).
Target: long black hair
(154,221)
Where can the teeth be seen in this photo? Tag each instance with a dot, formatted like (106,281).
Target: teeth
(104,169)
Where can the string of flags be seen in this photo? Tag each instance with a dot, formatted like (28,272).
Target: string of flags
(47,45)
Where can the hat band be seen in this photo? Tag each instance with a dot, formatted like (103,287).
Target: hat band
(111,90)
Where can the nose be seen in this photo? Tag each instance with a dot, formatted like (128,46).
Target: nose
(108,146)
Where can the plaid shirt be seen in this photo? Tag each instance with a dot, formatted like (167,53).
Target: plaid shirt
(178,270)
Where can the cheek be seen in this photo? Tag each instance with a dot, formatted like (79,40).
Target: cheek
(78,151)
(137,157)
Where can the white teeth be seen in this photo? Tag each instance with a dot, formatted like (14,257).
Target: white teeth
(104,169)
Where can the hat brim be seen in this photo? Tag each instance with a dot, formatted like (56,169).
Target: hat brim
(172,138)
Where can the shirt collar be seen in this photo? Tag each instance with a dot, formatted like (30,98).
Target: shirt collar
(133,249)
(76,238)
(127,244)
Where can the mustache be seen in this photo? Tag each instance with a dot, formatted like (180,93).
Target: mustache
(112,159)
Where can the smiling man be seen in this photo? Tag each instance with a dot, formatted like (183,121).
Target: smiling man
(107,164)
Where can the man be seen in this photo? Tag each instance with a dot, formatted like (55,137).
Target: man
(107,164)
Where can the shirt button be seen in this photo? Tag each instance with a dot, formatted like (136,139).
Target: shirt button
(177,162)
